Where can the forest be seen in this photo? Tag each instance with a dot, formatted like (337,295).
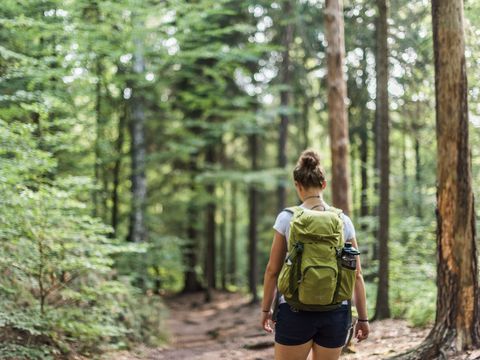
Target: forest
(147,146)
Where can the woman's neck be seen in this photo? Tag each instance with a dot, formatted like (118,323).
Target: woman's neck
(313,200)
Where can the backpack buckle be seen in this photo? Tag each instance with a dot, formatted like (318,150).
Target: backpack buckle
(299,247)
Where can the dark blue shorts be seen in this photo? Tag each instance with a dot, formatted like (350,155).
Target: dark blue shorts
(327,328)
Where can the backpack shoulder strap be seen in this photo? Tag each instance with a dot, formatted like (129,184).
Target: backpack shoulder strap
(334,210)
(338,212)
(290,209)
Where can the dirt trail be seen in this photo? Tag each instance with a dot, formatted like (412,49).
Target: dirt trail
(228,329)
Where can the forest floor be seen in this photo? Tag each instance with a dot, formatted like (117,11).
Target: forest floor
(228,328)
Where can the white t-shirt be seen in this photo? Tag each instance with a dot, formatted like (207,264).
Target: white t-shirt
(282,225)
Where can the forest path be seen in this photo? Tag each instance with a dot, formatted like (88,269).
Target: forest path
(228,328)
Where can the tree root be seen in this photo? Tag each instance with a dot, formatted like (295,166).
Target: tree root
(437,345)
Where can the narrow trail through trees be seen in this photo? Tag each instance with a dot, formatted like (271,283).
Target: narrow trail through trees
(228,328)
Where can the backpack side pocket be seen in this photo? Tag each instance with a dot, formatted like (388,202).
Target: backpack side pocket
(283,283)
(286,283)
(347,279)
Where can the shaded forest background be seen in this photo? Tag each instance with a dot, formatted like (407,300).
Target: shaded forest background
(147,147)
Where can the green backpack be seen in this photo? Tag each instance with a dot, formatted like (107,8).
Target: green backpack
(312,277)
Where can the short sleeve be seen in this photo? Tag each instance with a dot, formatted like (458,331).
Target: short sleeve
(348,229)
(282,221)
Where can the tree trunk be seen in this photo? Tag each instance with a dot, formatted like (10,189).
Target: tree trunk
(233,234)
(363,148)
(99,136)
(285,75)
(253,221)
(418,174)
(337,114)
(305,120)
(138,231)
(382,304)
(210,254)
(117,166)
(405,186)
(223,246)
(353,173)
(364,167)
(457,321)
(190,251)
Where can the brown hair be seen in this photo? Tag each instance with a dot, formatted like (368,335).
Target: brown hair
(308,171)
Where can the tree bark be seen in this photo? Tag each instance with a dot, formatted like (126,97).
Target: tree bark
(418,171)
(364,167)
(253,221)
(190,251)
(210,254)
(117,166)
(382,304)
(405,186)
(285,76)
(233,234)
(138,231)
(363,147)
(99,135)
(337,114)
(457,321)
(223,246)
(305,120)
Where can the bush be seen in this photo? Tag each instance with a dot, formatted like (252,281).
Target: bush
(58,290)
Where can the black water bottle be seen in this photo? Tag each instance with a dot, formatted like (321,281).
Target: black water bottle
(349,256)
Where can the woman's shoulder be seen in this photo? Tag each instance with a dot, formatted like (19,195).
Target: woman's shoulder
(285,214)
(348,226)
(345,217)
(347,223)
(282,221)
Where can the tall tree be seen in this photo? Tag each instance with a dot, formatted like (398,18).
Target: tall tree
(210,250)
(232,269)
(99,134)
(253,221)
(418,170)
(223,243)
(191,282)
(337,114)
(137,231)
(117,166)
(285,79)
(457,321)
(382,309)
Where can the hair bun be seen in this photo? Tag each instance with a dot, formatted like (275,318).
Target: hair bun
(308,171)
(310,160)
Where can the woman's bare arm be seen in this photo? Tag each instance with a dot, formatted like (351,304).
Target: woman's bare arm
(275,263)
(360,299)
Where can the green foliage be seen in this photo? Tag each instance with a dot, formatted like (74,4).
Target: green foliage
(144,317)
(211,81)
(56,260)
(14,351)
(421,312)
(413,270)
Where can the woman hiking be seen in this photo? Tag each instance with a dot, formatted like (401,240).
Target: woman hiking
(297,331)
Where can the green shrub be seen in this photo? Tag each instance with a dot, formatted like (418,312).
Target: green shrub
(58,292)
